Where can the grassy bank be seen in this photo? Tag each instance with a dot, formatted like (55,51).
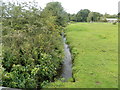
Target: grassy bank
(96,64)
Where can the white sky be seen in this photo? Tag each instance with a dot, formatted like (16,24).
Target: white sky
(73,6)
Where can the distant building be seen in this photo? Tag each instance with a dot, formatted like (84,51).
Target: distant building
(111,20)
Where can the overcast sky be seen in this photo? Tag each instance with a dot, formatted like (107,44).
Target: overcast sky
(73,6)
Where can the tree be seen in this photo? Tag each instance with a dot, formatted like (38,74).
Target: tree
(82,15)
(56,10)
(72,17)
(94,16)
(110,16)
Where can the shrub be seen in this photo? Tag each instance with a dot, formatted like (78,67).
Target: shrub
(114,23)
(32,48)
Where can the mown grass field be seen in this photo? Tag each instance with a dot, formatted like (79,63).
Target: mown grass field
(96,65)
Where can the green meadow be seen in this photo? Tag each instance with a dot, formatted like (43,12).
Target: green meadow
(96,64)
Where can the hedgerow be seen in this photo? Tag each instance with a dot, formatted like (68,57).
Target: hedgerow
(32,46)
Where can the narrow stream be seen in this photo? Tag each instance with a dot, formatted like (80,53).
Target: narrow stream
(67,64)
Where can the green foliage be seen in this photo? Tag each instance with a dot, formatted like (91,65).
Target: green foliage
(1,71)
(56,10)
(32,46)
(73,50)
(114,23)
(72,17)
(82,15)
(110,16)
(94,17)
(70,80)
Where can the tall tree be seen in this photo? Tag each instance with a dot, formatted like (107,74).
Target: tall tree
(56,10)
(82,15)
(94,16)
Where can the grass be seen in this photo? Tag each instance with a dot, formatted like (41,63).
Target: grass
(96,65)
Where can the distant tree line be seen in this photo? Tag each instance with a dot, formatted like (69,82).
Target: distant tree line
(85,15)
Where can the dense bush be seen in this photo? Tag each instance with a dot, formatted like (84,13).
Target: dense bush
(32,46)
